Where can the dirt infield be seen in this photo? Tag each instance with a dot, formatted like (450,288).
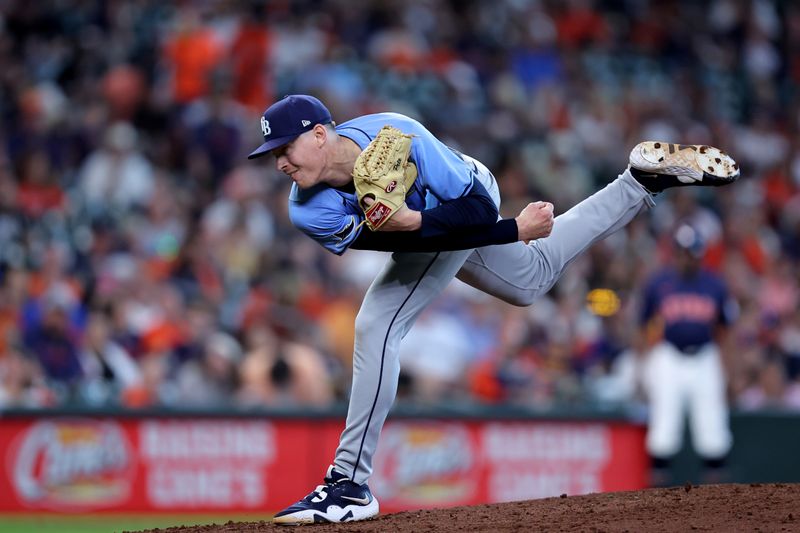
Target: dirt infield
(723,508)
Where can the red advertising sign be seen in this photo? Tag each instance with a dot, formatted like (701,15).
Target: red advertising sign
(206,464)
(421,464)
(210,464)
(527,461)
(71,465)
(438,464)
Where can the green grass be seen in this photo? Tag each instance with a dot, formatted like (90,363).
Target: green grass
(48,523)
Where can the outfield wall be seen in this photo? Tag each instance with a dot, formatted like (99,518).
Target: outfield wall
(75,461)
(83,463)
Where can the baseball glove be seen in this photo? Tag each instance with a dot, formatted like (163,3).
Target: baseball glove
(384,173)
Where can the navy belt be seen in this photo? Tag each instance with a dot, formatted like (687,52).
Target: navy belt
(691,349)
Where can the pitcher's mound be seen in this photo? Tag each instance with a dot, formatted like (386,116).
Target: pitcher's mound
(723,508)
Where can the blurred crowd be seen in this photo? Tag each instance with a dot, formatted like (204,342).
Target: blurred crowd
(144,262)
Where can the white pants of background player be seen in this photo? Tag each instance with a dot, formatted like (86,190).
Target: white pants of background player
(516,273)
(677,385)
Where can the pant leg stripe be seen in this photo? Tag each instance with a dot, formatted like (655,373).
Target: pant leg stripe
(383,355)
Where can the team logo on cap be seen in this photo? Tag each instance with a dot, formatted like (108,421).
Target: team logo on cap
(265,129)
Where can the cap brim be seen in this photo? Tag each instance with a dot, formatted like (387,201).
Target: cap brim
(271,145)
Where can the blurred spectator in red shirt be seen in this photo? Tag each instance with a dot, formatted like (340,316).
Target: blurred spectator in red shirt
(39,191)
(192,52)
(250,52)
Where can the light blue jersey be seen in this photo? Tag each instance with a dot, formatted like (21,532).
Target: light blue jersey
(331,216)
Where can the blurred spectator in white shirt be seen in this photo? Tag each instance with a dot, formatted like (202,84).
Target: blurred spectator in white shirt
(116,175)
(108,369)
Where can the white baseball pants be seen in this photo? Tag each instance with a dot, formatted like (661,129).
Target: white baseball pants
(677,385)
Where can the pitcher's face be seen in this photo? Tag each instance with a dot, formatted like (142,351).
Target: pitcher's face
(303,159)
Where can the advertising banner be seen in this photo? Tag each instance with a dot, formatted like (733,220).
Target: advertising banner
(79,465)
(436,464)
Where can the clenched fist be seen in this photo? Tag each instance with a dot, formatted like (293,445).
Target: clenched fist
(535,221)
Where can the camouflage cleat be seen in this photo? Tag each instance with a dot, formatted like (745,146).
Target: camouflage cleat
(659,165)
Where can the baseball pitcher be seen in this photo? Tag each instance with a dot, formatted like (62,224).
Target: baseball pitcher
(384,182)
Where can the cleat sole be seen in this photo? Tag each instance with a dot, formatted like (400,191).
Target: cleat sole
(689,163)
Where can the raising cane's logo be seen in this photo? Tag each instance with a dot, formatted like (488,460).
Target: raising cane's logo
(421,464)
(75,464)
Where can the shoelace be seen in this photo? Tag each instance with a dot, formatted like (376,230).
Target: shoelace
(322,488)
(319,490)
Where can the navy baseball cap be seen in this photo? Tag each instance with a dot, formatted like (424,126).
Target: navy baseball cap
(287,119)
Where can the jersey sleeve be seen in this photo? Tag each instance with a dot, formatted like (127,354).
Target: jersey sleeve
(445,175)
(335,229)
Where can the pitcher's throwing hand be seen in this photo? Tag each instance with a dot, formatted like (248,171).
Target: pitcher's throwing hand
(535,221)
